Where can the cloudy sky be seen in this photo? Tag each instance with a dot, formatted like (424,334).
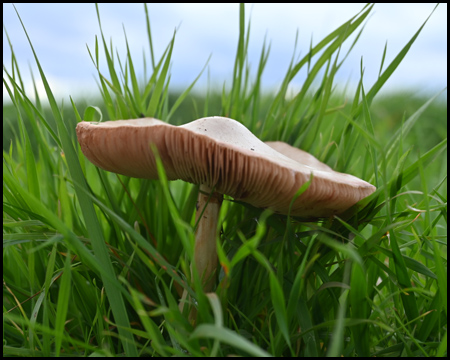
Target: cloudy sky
(60,33)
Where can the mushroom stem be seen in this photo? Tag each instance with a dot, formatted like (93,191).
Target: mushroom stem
(205,252)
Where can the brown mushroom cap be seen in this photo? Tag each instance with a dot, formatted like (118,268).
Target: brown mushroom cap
(221,153)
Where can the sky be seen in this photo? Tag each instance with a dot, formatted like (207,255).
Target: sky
(61,33)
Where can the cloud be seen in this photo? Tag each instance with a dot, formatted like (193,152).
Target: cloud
(60,32)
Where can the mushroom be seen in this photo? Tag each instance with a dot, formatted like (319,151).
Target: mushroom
(222,155)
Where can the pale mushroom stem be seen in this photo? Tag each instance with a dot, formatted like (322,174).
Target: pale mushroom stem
(205,252)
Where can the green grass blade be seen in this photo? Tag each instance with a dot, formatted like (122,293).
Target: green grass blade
(228,337)
(134,82)
(442,349)
(279,306)
(359,309)
(63,303)
(337,343)
(155,98)
(149,34)
(382,60)
(151,328)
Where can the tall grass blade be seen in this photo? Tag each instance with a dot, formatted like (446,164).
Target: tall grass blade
(279,307)
(63,302)
(155,98)
(392,66)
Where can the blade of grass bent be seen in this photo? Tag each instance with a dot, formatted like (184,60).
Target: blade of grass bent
(341,33)
(391,68)
(92,224)
(228,337)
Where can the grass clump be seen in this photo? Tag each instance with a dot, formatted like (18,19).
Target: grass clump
(95,263)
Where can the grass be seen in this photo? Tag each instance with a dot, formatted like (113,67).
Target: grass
(95,263)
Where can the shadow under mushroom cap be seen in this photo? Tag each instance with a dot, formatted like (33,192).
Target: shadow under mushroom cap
(220,152)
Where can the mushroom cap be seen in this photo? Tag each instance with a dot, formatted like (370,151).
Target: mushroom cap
(223,154)
(298,155)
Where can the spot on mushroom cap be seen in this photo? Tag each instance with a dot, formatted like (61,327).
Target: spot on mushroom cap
(220,152)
